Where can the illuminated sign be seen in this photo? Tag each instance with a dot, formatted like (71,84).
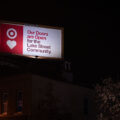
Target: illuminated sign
(44,42)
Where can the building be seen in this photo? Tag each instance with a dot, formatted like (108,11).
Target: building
(35,97)
(49,96)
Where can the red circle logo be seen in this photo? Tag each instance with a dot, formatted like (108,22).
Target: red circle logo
(11,33)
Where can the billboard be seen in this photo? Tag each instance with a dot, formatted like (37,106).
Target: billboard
(29,40)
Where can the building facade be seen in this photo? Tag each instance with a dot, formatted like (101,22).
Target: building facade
(34,97)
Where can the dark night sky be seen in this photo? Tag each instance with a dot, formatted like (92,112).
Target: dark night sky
(91,31)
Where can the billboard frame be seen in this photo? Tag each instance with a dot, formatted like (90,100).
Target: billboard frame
(37,25)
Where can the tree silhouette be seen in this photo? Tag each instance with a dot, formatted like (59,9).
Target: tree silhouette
(108,100)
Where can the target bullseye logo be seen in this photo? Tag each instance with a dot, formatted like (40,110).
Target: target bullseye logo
(11,33)
(11,38)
